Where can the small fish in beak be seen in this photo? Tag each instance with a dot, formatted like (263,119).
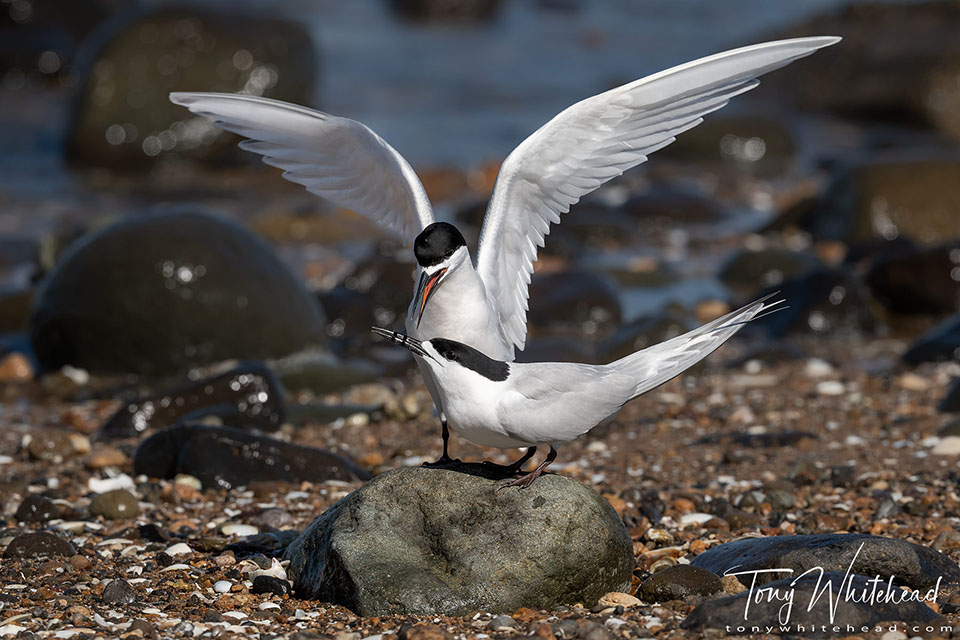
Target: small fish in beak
(428,284)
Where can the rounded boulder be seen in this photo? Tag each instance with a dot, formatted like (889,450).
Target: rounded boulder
(451,541)
(159,292)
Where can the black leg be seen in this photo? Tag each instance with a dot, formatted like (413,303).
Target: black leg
(525,481)
(513,467)
(445,458)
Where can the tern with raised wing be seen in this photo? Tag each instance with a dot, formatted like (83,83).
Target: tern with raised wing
(502,404)
(481,301)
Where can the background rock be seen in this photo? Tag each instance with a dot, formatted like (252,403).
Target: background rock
(419,540)
(942,342)
(123,118)
(918,280)
(719,613)
(162,291)
(910,564)
(225,457)
(248,394)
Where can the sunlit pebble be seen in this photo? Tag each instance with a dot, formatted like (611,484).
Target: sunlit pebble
(817,322)
(48,62)
(336,328)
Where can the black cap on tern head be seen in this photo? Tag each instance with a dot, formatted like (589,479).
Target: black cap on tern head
(436,243)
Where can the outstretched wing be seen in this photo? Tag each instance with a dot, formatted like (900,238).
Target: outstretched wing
(339,159)
(593,141)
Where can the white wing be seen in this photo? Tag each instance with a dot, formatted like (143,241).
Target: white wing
(593,141)
(337,158)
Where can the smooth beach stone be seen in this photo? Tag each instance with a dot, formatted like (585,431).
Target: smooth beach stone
(248,393)
(162,291)
(225,457)
(39,543)
(123,118)
(118,504)
(732,612)
(445,541)
(678,583)
(909,564)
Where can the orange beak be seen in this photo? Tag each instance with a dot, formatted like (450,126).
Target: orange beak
(426,288)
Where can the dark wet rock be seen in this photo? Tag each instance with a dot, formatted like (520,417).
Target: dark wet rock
(748,142)
(679,583)
(165,290)
(574,298)
(940,343)
(640,334)
(749,271)
(40,543)
(322,373)
(226,457)
(446,11)
(888,198)
(729,612)
(913,280)
(823,301)
(119,504)
(843,475)
(648,503)
(667,207)
(271,585)
(897,62)
(248,394)
(36,508)
(123,118)
(15,302)
(428,541)
(951,400)
(267,545)
(911,565)
(118,592)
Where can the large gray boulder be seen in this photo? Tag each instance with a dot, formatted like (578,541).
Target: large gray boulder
(445,541)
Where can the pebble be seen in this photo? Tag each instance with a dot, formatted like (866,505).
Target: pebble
(50,445)
(817,368)
(502,623)
(949,446)
(830,388)
(222,586)
(270,584)
(103,485)
(118,504)
(105,456)
(15,367)
(80,563)
(118,592)
(36,508)
(618,599)
(40,543)
(236,529)
(894,635)
(178,549)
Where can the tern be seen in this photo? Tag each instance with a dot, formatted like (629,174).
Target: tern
(508,405)
(483,301)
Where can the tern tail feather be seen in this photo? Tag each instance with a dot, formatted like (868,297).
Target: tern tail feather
(662,362)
